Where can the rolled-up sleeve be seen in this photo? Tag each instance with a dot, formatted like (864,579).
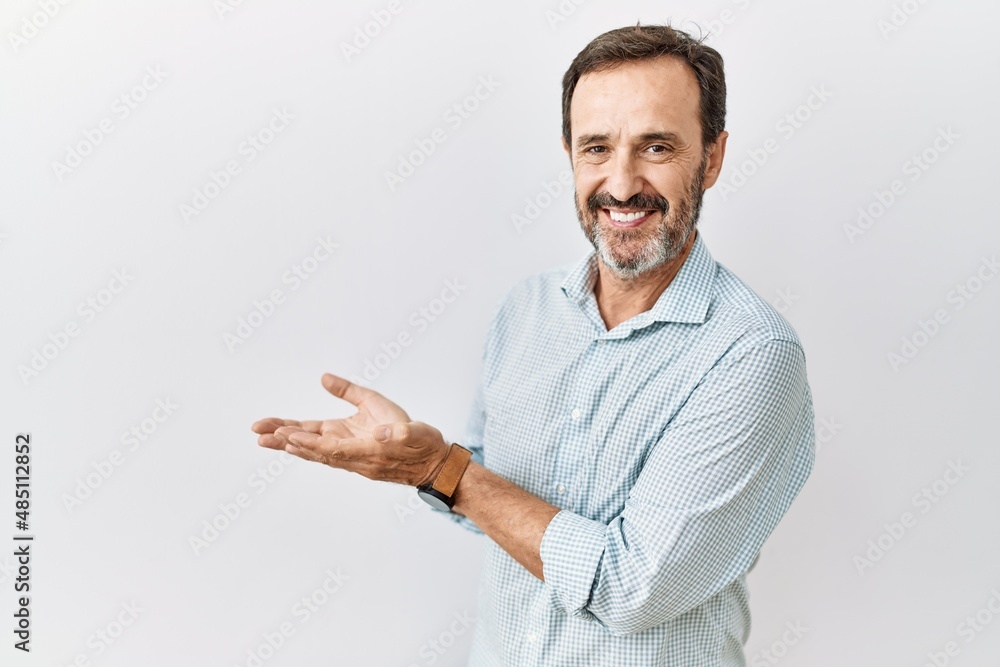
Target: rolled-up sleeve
(714,486)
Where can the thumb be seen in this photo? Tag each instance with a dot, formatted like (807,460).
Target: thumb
(391,432)
(345,389)
(406,433)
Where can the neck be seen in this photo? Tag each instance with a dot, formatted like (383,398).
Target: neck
(621,299)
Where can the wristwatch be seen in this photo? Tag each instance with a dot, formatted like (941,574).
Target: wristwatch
(440,494)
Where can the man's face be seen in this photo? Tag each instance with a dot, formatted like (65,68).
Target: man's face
(638,162)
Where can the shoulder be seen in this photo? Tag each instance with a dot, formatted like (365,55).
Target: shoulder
(750,322)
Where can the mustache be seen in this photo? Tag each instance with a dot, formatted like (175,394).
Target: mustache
(641,201)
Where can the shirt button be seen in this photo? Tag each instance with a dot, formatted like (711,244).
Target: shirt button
(531,637)
(576,413)
(561,488)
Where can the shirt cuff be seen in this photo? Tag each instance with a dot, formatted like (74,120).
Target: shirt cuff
(571,551)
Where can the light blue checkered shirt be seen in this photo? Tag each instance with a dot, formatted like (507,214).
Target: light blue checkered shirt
(672,444)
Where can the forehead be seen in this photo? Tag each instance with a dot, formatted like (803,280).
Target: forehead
(637,97)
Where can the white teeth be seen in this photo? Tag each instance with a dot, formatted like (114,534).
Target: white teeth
(626,217)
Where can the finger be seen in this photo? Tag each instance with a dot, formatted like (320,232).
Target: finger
(269,424)
(285,431)
(304,454)
(279,438)
(347,390)
(270,441)
(300,453)
(311,425)
(295,437)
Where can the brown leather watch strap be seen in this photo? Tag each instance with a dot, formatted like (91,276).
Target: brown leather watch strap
(451,472)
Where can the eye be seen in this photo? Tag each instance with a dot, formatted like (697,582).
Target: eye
(659,149)
(594,150)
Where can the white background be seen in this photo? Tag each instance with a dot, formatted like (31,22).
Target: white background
(886,429)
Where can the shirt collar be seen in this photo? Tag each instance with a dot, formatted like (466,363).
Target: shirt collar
(686,298)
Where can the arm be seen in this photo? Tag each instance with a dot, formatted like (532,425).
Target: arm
(711,491)
(483,500)
(509,515)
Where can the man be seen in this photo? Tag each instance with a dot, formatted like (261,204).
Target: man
(644,419)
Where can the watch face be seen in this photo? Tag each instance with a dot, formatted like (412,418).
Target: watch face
(433,500)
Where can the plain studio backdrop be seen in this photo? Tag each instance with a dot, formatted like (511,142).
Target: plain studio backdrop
(206,205)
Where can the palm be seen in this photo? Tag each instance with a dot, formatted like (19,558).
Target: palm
(373,409)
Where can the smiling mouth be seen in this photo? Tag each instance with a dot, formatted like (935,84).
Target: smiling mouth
(627,219)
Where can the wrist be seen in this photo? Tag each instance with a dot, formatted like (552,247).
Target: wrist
(437,463)
(439,490)
(461,497)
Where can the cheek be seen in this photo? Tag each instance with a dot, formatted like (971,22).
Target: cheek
(581,194)
(592,172)
(586,184)
(672,185)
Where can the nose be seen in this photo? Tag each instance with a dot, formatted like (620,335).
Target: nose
(624,177)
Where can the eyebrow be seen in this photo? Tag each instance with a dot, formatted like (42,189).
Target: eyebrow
(588,139)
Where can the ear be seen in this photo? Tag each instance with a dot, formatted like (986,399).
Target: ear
(715,156)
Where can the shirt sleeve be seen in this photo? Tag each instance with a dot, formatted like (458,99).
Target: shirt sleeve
(721,476)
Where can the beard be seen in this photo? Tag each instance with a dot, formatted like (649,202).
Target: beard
(632,252)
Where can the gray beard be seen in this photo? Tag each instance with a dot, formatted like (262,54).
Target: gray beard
(670,237)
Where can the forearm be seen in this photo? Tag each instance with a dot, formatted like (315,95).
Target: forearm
(509,515)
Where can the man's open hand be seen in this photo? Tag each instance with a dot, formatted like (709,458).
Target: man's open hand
(410,452)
